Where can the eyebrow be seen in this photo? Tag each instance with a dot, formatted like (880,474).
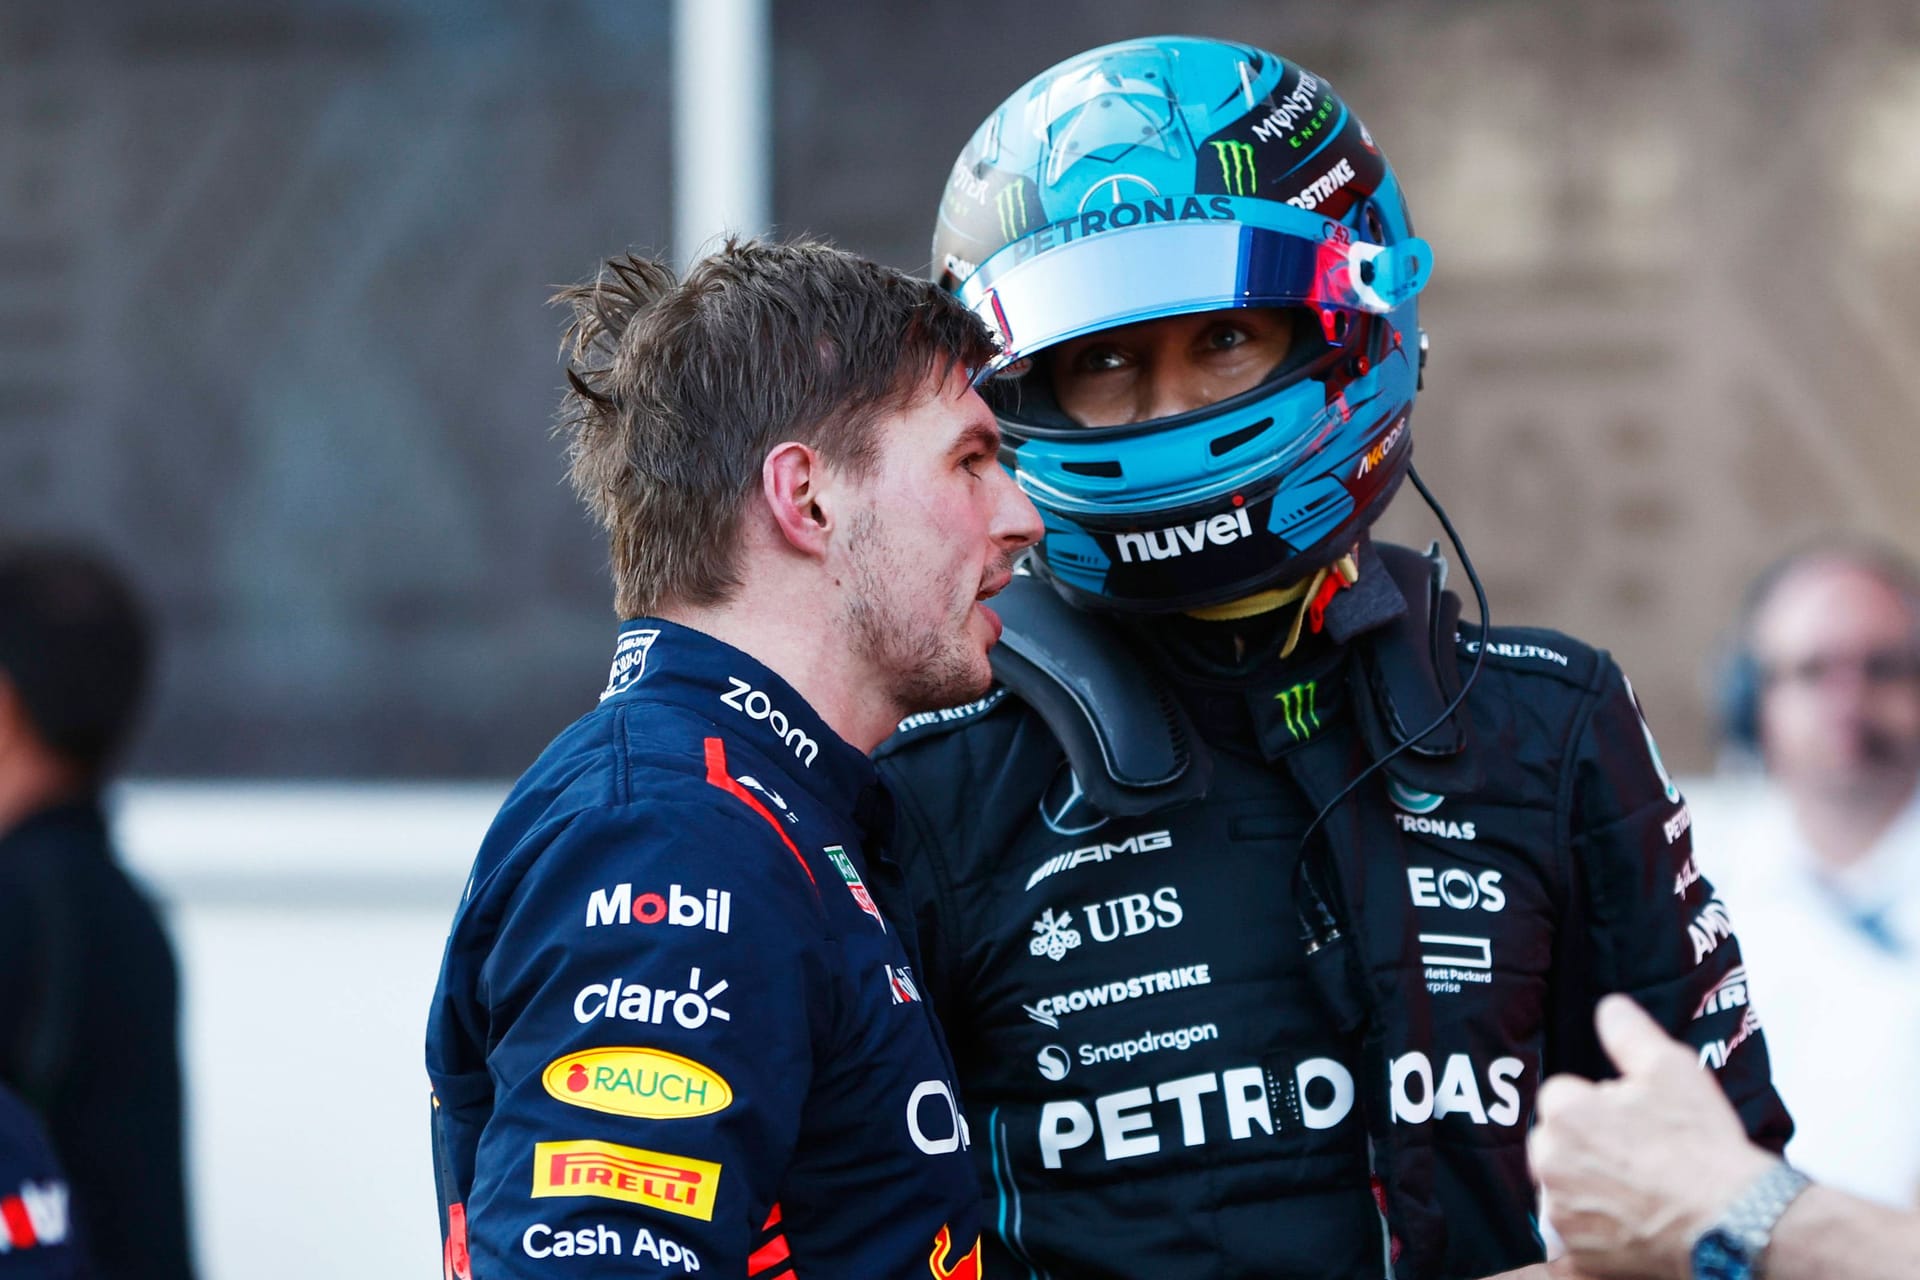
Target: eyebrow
(986,438)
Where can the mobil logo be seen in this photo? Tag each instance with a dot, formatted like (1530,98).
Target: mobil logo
(620,905)
(628,1081)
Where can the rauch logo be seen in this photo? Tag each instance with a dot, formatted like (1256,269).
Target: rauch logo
(649,1083)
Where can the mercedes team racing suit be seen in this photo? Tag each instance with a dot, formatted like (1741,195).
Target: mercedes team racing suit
(677,1026)
(1158,1085)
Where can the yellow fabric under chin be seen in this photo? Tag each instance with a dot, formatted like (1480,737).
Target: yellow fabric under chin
(1273,598)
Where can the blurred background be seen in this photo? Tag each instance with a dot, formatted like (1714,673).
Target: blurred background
(273,334)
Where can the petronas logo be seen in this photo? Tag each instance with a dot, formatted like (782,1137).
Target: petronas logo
(1236,167)
(1414,801)
(1299,707)
(1011,204)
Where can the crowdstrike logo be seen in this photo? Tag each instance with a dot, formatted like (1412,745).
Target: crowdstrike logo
(744,698)
(1317,191)
(1168,544)
(1048,1010)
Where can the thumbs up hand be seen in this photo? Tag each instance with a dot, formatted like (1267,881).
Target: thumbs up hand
(1634,1169)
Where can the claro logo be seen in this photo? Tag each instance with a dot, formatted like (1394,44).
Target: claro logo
(649,1083)
(744,698)
(1166,544)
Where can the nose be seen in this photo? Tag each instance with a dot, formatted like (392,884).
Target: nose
(1017,524)
(1168,388)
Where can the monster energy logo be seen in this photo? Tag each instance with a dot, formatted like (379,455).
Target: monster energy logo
(1236,167)
(1297,704)
(1011,204)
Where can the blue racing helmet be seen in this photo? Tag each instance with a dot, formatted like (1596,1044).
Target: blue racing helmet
(1165,177)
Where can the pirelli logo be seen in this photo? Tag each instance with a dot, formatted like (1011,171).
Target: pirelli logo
(674,1184)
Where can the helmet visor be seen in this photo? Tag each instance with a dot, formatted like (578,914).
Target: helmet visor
(1039,291)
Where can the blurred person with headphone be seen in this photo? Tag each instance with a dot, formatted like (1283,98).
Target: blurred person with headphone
(1262,889)
(89,997)
(1821,861)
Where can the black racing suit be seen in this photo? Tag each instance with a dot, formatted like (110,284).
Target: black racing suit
(1156,1084)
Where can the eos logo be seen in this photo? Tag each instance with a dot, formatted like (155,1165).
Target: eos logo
(637,1002)
(756,705)
(1166,544)
(1456,888)
(618,906)
(1146,842)
(948,1127)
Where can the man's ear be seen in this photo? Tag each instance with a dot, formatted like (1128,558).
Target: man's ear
(793,480)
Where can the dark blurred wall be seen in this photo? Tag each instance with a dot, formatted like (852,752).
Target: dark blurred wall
(271,321)
(272,328)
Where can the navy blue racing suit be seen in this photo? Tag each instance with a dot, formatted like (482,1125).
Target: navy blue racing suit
(677,1026)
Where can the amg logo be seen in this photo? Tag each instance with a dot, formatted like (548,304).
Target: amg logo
(744,697)
(1709,929)
(1323,186)
(1292,109)
(1165,544)
(1146,842)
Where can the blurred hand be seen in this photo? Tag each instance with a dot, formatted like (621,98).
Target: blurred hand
(1634,1169)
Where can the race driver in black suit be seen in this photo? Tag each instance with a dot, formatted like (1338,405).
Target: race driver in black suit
(1261,893)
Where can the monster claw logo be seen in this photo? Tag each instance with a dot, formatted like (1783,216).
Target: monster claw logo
(1299,707)
(1010,202)
(1237,169)
(967,1268)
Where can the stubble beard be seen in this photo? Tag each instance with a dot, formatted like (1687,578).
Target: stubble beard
(923,665)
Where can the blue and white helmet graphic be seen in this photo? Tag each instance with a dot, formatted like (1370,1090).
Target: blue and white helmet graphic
(1170,176)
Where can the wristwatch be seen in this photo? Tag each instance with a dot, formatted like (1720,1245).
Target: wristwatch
(1731,1248)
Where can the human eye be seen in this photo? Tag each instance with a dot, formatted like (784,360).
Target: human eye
(1099,359)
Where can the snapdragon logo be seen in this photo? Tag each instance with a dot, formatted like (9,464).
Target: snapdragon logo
(1167,544)
(1179,1040)
(744,698)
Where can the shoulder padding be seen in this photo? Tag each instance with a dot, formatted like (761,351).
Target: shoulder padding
(1129,742)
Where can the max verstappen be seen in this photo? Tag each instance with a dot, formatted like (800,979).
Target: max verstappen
(678,1025)
(1260,893)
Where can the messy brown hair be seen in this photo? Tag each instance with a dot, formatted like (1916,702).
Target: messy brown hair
(680,386)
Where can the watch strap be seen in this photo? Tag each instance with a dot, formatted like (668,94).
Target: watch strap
(1751,1217)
